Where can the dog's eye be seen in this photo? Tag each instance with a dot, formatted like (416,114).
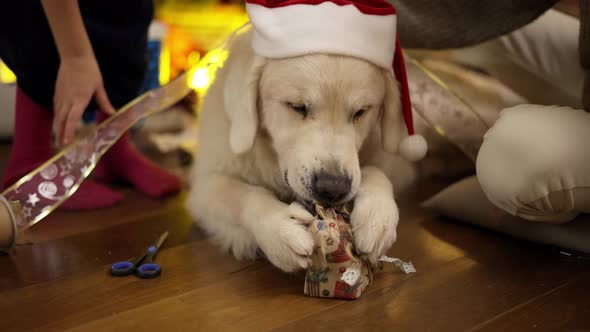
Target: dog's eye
(299,108)
(359,114)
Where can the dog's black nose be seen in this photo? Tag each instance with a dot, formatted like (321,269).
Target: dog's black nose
(329,188)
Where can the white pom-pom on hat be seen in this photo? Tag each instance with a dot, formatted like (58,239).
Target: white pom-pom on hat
(413,148)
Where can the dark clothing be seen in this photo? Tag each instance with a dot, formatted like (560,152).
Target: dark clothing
(118,33)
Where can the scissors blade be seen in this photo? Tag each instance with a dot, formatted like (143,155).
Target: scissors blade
(161,240)
(153,249)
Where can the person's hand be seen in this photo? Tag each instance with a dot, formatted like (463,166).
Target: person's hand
(78,80)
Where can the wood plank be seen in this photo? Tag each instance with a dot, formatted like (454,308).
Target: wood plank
(265,298)
(134,207)
(81,297)
(58,224)
(47,260)
(566,308)
(67,291)
(458,296)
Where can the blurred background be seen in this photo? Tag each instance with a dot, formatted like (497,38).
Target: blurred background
(183,34)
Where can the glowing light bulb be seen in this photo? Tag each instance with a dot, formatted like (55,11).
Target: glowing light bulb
(6,75)
(200,79)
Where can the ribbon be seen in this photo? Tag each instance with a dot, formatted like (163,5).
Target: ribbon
(405,267)
(444,110)
(44,189)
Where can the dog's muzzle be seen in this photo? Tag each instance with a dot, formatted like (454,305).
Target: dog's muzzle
(329,188)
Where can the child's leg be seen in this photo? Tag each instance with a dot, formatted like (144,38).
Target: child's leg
(123,74)
(124,163)
(32,147)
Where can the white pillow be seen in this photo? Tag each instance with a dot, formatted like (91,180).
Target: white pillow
(465,201)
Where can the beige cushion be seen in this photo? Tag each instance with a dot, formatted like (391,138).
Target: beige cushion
(534,162)
(465,201)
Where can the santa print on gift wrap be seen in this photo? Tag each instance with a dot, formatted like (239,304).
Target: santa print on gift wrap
(342,254)
(313,279)
(346,291)
(345,279)
(351,292)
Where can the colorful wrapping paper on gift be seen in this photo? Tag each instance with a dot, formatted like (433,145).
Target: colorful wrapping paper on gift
(337,271)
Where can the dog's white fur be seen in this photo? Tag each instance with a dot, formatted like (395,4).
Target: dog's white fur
(256,154)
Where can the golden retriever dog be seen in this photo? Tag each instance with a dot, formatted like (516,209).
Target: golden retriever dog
(315,128)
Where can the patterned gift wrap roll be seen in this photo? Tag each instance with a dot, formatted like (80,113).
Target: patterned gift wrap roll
(336,271)
(7,224)
(438,105)
(44,189)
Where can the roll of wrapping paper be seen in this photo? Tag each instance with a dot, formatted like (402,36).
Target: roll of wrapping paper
(443,110)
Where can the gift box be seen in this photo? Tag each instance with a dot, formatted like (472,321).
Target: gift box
(337,271)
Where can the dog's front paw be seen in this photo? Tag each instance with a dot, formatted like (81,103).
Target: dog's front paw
(374,221)
(285,240)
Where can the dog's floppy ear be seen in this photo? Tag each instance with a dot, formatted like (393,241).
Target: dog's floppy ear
(393,129)
(241,102)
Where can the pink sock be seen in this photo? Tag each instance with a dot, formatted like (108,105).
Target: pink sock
(124,163)
(32,147)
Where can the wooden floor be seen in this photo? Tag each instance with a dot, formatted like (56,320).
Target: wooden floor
(467,279)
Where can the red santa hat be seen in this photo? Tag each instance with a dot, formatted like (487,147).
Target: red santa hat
(364,29)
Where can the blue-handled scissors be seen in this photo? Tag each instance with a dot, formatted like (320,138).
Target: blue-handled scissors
(143,267)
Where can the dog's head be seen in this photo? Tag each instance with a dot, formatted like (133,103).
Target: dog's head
(317,110)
